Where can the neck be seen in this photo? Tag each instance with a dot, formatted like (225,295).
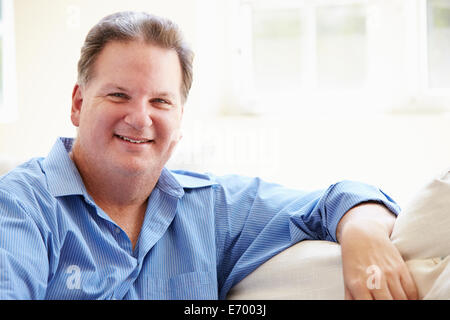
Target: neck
(119,193)
(113,190)
(123,197)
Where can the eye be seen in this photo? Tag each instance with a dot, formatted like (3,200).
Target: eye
(161,102)
(118,96)
(158,100)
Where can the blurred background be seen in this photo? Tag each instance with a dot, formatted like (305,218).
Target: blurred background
(303,93)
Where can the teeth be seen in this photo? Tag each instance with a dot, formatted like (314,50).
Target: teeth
(131,140)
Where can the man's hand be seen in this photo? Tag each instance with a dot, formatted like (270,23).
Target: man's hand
(373,267)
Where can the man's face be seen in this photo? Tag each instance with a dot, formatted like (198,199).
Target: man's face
(129,114)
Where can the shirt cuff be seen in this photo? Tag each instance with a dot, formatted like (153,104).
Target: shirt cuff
(341,197)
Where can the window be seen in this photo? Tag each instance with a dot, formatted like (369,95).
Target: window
(341,43)
(438,30)
(337,56)
(280,30)
(309,46)
(8,105)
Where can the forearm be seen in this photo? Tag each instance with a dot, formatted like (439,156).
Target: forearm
(371,216)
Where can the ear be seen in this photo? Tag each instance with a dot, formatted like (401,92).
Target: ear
(77,102)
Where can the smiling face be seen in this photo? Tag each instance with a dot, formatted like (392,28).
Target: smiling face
(129,114)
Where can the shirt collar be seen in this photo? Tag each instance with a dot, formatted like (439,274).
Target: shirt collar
(62,174)
(191,179)
(64,179)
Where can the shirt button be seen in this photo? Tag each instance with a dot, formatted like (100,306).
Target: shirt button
(117,230)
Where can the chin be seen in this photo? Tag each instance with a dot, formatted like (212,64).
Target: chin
(137,167)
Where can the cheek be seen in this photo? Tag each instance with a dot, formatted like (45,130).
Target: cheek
(96,124)
(175,131)
(168,128)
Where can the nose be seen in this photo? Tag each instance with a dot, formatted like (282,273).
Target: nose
(138,115)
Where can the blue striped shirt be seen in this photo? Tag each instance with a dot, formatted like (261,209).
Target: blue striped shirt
(201,234)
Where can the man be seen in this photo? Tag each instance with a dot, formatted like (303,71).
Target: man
(102,218)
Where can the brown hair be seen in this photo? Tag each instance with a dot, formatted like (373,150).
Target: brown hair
(129,26)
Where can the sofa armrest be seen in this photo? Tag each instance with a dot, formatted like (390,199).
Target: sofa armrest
(309,270)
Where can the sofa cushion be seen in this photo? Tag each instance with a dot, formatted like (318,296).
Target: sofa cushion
(422,229)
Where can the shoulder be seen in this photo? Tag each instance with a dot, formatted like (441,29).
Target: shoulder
(26,185)
(25,175)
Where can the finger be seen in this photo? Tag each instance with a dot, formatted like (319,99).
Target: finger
(359,291)
(396,289)
(348,295)
(409,286)
(382,293)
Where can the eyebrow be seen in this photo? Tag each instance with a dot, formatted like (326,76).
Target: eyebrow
(162,94)
(110,86)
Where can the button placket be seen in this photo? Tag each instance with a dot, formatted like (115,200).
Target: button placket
(122,239)
(123,289)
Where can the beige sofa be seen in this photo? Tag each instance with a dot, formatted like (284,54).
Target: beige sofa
(313,269)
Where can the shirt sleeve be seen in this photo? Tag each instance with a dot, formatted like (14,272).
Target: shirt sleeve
(23,254)
(256,220)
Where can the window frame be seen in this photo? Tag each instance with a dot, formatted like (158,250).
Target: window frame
(252,101)
(424,61)
(248,97)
